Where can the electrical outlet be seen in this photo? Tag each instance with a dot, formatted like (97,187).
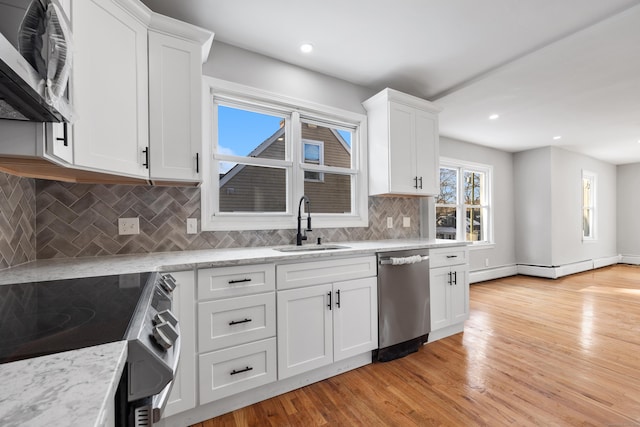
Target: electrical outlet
(192,225)
(406,222)
(389,222)
(128,226)
(486,262)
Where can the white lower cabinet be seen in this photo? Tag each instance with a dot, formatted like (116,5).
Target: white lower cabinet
(183,391)
(235,369)
(236,329)
(319,324)
(449,287)
(233,321)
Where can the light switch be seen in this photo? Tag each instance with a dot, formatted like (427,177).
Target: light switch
(389,222)
(192,225)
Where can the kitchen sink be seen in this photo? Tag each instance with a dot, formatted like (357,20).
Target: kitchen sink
(305,248)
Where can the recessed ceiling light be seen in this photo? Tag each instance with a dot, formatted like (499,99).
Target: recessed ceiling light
(557,137)
(306,47)
(494,117)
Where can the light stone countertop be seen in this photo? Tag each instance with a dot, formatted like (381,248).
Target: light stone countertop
(66,268)
(71,389)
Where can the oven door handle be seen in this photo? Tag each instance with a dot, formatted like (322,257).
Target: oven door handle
(160,400)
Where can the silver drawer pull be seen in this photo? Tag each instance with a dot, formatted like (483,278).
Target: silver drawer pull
(248,368)
(452,256)
(231,282)
(237,322)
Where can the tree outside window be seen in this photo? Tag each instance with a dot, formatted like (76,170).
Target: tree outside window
(464,193)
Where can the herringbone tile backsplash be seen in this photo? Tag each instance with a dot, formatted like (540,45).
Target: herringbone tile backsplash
(17,220)
(75,220)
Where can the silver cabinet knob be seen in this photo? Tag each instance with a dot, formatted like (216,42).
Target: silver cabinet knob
(165,335)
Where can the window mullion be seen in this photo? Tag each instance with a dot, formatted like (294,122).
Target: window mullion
(297,173)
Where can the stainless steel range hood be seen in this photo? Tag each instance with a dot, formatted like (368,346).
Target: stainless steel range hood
(22,90)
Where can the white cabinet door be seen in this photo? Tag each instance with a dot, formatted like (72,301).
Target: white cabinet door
(183,392)
(175,119)
(305,338)
(449,296)
(402,147)
(109,88)
(355,317)
(427,153)
(460,294)
(440,296)
(60,145)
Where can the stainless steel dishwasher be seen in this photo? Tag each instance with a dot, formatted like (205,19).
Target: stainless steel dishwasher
(404,316)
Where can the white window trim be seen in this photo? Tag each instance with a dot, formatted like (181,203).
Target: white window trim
(593,178)
(447,162)
(288,220)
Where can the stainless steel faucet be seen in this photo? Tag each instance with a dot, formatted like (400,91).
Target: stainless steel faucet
(300,236)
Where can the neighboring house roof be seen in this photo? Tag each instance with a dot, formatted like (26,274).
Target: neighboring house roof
(255,153)
(266,144)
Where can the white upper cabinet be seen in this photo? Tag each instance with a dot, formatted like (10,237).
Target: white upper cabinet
(403,144)
(136,92)
(176,54)
(109,88)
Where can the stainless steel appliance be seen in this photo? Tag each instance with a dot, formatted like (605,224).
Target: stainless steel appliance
(24,93)
(53,316)
(403,303)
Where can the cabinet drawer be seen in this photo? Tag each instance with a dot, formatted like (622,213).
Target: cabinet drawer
(450,256)
(234,281)
(236,369)
(318,272)
(233,321)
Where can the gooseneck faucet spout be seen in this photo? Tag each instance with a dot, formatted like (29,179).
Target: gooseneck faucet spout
(300,236)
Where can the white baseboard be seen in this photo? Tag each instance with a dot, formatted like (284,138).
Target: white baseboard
(630,259)
(603,262)
(554,272)
(492,273)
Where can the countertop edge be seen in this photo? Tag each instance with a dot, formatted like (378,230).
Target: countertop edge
(68,268)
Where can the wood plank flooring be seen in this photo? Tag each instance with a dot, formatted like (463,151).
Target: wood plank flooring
(534,352)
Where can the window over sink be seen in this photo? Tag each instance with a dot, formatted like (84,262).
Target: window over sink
(265,151)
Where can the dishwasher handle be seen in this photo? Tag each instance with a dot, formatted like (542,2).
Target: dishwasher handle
(414,259)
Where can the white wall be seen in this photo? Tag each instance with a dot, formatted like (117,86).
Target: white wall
(628,215)
(502,253)
(567,244)
(251,69)
(548,203)
(532,200)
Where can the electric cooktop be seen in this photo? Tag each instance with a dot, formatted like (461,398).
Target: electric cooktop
(41,318)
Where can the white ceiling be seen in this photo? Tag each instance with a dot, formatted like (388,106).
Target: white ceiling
(548,67)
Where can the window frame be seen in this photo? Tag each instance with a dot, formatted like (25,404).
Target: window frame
(461,167)
(216,90)
(593,180)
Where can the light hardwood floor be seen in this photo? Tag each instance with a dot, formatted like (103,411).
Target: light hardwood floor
(562,352)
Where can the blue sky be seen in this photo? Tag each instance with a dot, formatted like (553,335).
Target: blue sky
(240,131)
